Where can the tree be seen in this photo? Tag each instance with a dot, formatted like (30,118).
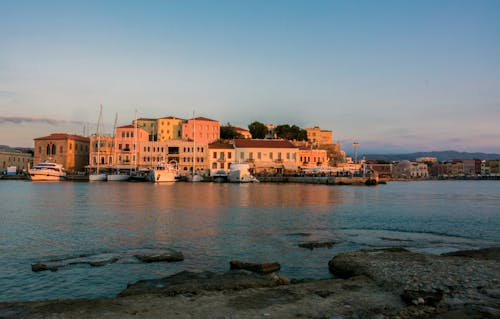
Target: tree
(257,129)
(288,132)
(228,132)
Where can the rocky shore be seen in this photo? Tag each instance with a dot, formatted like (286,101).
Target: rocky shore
(390,283)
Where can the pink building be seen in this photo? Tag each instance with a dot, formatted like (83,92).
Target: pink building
(207,130)
(127,142)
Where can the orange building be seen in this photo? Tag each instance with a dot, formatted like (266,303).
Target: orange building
(72,151)
(128,139)
(309,157)
(207,130)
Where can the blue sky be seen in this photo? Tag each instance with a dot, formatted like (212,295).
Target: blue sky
(395,76)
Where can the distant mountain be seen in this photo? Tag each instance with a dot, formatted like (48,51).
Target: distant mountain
(440,155)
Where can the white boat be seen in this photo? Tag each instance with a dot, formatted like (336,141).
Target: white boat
(240,173)
(118,176)
(163,172)
(220,176)
(195,178)
(47,171)
(98,176)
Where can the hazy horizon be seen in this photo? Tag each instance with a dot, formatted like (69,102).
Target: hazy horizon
(393,76)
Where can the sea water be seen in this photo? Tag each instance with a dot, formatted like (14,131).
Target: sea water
(212,224)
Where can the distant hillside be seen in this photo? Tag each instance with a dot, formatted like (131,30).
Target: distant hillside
(441,156)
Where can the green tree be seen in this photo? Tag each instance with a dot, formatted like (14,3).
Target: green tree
(228,132)
(257,129)
(293,132)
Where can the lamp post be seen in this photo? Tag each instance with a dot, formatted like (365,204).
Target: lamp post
(355,145)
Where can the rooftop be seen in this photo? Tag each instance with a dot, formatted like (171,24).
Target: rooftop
(254,143)
(63,136)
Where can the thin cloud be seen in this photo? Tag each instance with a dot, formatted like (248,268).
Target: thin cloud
(21,120)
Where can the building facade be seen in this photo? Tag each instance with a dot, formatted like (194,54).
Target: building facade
(220,156)
(206,130)
(72,151)
(11,157)
(184,154)
(169,128)
(102,151)
(317,136)
(309,157)
(267,156)
(149,125)
(127,141)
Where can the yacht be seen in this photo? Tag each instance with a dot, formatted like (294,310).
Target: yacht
(163,172)
(118,176)
(240,173)
(47,171)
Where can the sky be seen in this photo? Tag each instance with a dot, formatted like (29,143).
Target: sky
(395,76)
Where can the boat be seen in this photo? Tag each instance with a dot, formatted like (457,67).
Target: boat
(240,173)
(163,172)
(98,176)
(220,176)
(47,171)
(141,175)
(118,176)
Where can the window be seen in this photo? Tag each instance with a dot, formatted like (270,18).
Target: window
(123,134)
(259,155)
(222,165)
(120,147)
(271,155)
(214,165)
(250,155)
(279,155)
(287,156)
(229,155)
(215,154)
(242,155)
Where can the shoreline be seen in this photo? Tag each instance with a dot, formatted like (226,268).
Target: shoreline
(382,283)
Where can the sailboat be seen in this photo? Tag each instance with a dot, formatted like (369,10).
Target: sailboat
(194,177)
(117,175)
(98,176)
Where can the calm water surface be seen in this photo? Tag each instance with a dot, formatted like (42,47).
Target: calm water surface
(215,223)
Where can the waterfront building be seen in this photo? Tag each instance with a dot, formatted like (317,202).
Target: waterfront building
(149,125)
(106,151)
(220,156)
(207,130)
(185,154)
(72,151)
(169,128)
(384,170)
(494,167)
(472,167)
(309,157)
(267,156)
(407,169)
(15,158)
(127,141)
(318,137)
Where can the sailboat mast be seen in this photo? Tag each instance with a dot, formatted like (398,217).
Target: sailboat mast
(135,141)
(99,139)
(194,143)
(114,141)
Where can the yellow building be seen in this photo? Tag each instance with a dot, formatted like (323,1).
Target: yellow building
(271,156)
(72,151)
(105,153)
(169,128)
(180,151)
(12,157)
(220,156)
(309,157)
(318,136)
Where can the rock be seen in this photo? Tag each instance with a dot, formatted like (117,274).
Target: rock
(316,244)
(420,297)
(492,253)
(264,268)
(169,256)
(190,283)
(42,267)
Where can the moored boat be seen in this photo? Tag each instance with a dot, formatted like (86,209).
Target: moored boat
(163,172)
(240,173)
(47,171)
